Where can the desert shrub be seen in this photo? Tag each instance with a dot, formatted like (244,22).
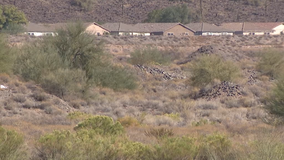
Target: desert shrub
(148,55)
(266,147)
(7,55)
(63,81)
(201,122)
(11,145)
(159,132)
(114,77)
(13,29)
(271,63)
(128,121)
(176,148)
(29,105)
(174,116)
(19,98)
(216,146)
(102,125)
(208,68)
(275,102)
(78,115)
(40,96)
(135,150)
(84,144)
(36,60)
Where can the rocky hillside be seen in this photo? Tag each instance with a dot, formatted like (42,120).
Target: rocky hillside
(132,11)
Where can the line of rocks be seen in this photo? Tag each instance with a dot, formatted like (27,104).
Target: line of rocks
(156,71)
(224,89)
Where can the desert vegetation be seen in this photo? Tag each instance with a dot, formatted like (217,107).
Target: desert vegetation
(75,96)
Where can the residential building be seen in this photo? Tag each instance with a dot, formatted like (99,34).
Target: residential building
(147,29)
(255,28)
(206,29)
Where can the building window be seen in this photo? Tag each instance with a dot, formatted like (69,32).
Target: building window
(170,34)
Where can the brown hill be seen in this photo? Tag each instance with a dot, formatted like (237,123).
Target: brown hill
(132,11)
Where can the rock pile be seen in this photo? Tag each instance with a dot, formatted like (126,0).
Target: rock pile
(202,50)
(224,89)
(252,78)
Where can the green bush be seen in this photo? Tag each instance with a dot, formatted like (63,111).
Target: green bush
(216,146)
(135,150)
(63,82)
(11,145)
(10,15)
(102,125)
(84,144)
(275,102)
(269,146)
(180,13)
(7,56)
(176,148)
(271,63)
(208,68)
(88,144)
(148,55)
(14,29)
(114,77)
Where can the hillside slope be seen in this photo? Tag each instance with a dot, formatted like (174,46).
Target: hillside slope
(133,11)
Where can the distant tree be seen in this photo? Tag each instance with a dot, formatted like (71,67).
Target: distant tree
(84,4)
(10,15)
(180,13)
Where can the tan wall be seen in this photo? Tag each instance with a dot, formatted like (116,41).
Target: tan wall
(179,30)
(94,29)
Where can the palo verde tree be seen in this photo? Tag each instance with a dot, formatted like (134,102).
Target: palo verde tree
(10,15)
(70,63)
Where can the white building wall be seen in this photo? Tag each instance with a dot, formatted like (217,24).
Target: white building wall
(216,34)
(278,30)
(38,34)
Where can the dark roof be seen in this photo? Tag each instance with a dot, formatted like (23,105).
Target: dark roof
(207,27)
(115,27)
(33,27)
(251,26)
(141,27)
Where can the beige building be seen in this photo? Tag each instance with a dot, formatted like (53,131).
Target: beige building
(96,29)
(255,28)
(147,29)
(206,29)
